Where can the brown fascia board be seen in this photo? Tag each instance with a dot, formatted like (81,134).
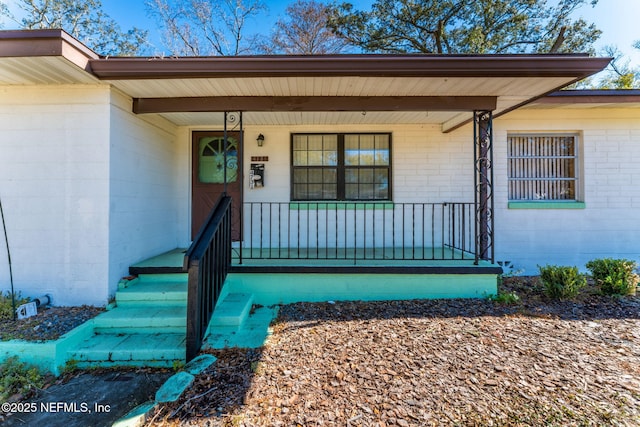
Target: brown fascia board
(575,66)
(29,43)
(45,43)
(33,43)
(592,96)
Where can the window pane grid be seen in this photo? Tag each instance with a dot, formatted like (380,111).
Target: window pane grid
(366,150)
(315,183)
(315,150)
(363,183)
(542,167)
(361,172)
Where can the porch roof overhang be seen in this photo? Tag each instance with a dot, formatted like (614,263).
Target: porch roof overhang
(586,99)
(49,57)
(361,89)
(281,90)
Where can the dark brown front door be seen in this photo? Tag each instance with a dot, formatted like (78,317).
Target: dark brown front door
(208,176)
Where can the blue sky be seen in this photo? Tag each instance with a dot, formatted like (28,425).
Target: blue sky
(618,19)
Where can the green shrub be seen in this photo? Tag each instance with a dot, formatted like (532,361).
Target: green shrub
(17,377)
(561,282)
(505,298)
(614,276)
(6,307)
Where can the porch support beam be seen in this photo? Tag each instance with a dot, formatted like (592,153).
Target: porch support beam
(313,103)
(483,179)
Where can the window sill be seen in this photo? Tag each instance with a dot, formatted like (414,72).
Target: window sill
(339,205)
(559,204)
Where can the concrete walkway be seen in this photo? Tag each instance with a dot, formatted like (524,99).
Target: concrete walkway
(90,399)
(109,398)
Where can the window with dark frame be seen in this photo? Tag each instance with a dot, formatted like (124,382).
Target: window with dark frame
(344,166)
(542,167)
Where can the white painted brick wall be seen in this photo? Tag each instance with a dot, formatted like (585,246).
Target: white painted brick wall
(87,188)
(609,225)
(54,165)
(147,166)
(428,166)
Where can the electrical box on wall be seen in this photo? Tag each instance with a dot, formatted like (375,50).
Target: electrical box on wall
(256,176)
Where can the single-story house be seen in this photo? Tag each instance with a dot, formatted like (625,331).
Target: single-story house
(353,160)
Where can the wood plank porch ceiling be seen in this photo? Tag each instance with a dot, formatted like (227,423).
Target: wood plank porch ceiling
(183,89)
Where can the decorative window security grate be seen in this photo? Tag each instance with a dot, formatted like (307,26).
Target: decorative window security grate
(542,166)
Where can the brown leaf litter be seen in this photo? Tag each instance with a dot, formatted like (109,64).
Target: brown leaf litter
(430,363)
(49,324)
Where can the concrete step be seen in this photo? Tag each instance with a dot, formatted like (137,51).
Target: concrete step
(232,311)
(161,277)
(253,333)
(142,319)
(153,292)
(162,349)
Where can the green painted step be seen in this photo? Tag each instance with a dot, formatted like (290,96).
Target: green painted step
(163,277)
(173,258)
(151,278)
(232,311)
(142,319)
(127,348)
(153,292)
(253,332)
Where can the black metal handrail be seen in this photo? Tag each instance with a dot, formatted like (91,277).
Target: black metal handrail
(207,262)
(359,231)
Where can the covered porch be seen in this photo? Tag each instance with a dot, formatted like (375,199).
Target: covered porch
(283,241)
(424,228)
(421,205)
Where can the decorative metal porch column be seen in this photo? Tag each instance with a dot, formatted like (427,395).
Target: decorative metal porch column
(233,122)
(483,181)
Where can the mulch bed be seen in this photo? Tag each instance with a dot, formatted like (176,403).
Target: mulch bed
(49,324)
(423,363)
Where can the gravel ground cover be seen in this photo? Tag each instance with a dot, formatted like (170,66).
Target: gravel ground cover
(430,363)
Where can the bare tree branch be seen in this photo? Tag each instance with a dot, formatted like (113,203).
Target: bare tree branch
(304,30)
(559,41)
(206,27)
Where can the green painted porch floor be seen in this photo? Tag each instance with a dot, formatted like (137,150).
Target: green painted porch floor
(397,257)
(172,258)
(374,257)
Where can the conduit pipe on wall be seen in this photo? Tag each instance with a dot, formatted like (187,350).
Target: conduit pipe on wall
(6,240)
(42,301)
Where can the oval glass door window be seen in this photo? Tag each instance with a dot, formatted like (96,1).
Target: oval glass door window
(211,169)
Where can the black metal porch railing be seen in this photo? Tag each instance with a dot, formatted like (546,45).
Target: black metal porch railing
(358,231)
(207,262)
